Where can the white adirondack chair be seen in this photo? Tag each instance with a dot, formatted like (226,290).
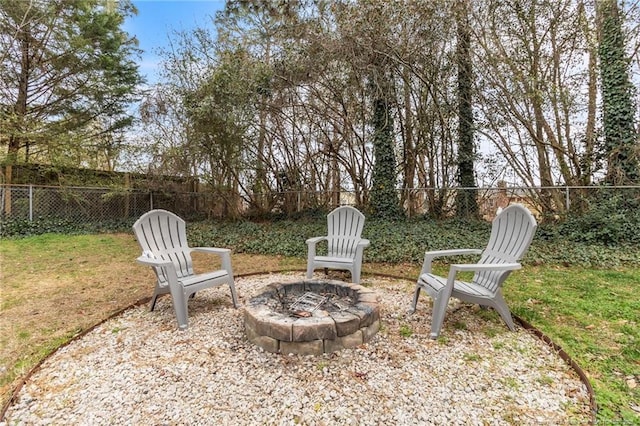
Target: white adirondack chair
(511,234)
(344,245)
(163,238)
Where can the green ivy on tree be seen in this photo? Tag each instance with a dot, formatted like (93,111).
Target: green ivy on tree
(466,200)
(384,198)
(620,136)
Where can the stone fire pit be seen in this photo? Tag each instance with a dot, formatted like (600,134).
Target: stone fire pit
(312,317)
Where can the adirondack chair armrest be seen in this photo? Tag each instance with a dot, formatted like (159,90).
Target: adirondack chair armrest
(311,246)
(460,267)
(213,250)
(158,263)
(167,265)
(430,255)
(315,240)
(224,253)
(485,266)
(363,243)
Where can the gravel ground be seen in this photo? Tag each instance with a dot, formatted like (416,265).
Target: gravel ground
(139,369)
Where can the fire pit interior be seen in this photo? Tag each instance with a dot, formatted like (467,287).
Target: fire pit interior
(312,317)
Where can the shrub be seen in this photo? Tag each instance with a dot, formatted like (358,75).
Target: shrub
(609,220)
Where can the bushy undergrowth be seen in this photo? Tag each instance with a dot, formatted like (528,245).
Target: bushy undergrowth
(589,240)
(406,241)
(12,228)
(610,220)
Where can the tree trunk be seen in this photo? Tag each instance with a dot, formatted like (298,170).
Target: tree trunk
(384,199)
(409,160)
(16,138)
(546,180)
(466,200)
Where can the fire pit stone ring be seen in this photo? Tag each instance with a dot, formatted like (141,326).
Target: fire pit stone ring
(312,317)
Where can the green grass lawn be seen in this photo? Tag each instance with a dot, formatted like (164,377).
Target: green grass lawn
(593,315)
(54,286)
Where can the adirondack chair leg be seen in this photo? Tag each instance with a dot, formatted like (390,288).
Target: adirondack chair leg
(156,293)
(311,253)
(326,271)
(309,269)
(180,306)
(414,304)
(355,275)
(179,297)
(437,317)
(501,306)
(154,299)
(234,295)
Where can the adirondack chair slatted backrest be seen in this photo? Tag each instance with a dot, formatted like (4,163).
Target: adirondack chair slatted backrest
(511,234)
(163,235)
(344,227)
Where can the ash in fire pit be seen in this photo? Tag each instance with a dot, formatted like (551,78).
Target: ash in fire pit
(312,317)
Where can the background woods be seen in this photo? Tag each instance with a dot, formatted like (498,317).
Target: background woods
(282,104)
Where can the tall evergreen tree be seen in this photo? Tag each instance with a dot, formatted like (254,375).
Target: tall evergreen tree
(67,73)
(621,148)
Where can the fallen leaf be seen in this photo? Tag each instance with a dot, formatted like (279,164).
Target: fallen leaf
(360,375)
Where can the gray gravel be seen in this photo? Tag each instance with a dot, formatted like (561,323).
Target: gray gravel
(139,369)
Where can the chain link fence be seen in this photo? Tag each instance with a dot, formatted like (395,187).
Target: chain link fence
(97,205)
(32,202)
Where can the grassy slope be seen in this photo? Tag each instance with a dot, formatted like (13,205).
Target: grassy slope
(54,286)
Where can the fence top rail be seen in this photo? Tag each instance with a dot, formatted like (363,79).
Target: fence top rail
(84,188)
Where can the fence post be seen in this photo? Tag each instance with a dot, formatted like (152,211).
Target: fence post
(150,200)
(30,203)
(566,197)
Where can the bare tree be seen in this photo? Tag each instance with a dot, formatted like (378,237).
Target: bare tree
(531,77)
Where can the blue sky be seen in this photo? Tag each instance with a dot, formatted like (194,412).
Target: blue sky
(156,20)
